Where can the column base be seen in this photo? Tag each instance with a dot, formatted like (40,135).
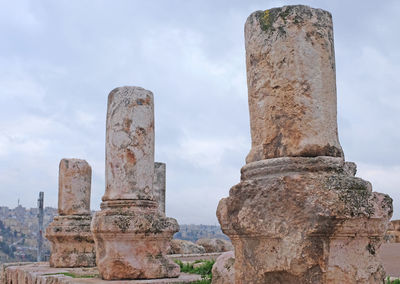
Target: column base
(132,239)
(72,243)
(305,220)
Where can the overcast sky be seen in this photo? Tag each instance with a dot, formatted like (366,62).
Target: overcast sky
(60,59)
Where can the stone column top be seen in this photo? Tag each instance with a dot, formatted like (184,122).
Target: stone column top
(291,83)
(74,182)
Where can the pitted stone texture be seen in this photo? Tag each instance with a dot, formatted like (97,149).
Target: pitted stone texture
(131,236)
(72,243)
(291,83)
(41,273)
(159,185)
(185,247)
(293,225)
(393,232)
(215,245)
(223,271)
(132,239)
(129,144)
(74,182)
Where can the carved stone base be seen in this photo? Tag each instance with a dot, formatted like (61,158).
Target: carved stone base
(132,239)
(393,232)
(72,243)
(305,220)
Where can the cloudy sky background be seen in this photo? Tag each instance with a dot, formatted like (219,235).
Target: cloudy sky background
(60,59)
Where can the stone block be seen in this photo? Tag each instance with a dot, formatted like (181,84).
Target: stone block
(74,181)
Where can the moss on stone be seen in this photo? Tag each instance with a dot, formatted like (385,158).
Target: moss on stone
(123,222)
(354,193)
(388,203)
(265,20)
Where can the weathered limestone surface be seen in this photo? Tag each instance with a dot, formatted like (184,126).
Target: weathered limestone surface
(299,215)
(129,144)
(215,245)
(74,181)
(185,247)
(41,273)
(159,185)
(291,83)
(304,220)
(393,232)
(131,235)
(223,271)
(72,243)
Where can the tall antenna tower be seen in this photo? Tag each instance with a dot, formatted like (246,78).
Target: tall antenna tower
(40,233)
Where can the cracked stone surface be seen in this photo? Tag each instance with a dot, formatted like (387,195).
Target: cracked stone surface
(72,243)
(299,215)
(223,271)
(74,181)
(393,232)
(313,224)
(291,83)
(131,235)
(159,185)
(129,144)
(41,273)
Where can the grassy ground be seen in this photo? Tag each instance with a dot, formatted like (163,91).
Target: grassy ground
(202,267)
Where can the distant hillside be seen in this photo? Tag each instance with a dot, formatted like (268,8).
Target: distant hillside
(18,233)
(19,227)
(194,232)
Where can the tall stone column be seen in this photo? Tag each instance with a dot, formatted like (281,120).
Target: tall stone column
(72,244)
(160,185)
(131,235)
(299,215)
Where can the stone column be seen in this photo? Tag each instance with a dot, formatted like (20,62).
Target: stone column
(131,235)
(159,185)
(291,83)
(299,215)
(72,244)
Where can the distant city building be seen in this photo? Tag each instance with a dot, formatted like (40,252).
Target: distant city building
(18,233)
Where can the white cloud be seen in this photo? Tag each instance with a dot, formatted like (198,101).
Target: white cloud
(84,118)
(208,152)
(58,61)
(19,16)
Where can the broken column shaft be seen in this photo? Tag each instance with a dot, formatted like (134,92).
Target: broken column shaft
(160,185)
(299,215)
(72,244)
(131,235)
(291,84)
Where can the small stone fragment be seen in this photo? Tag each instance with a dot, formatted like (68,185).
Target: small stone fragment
(223,270)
